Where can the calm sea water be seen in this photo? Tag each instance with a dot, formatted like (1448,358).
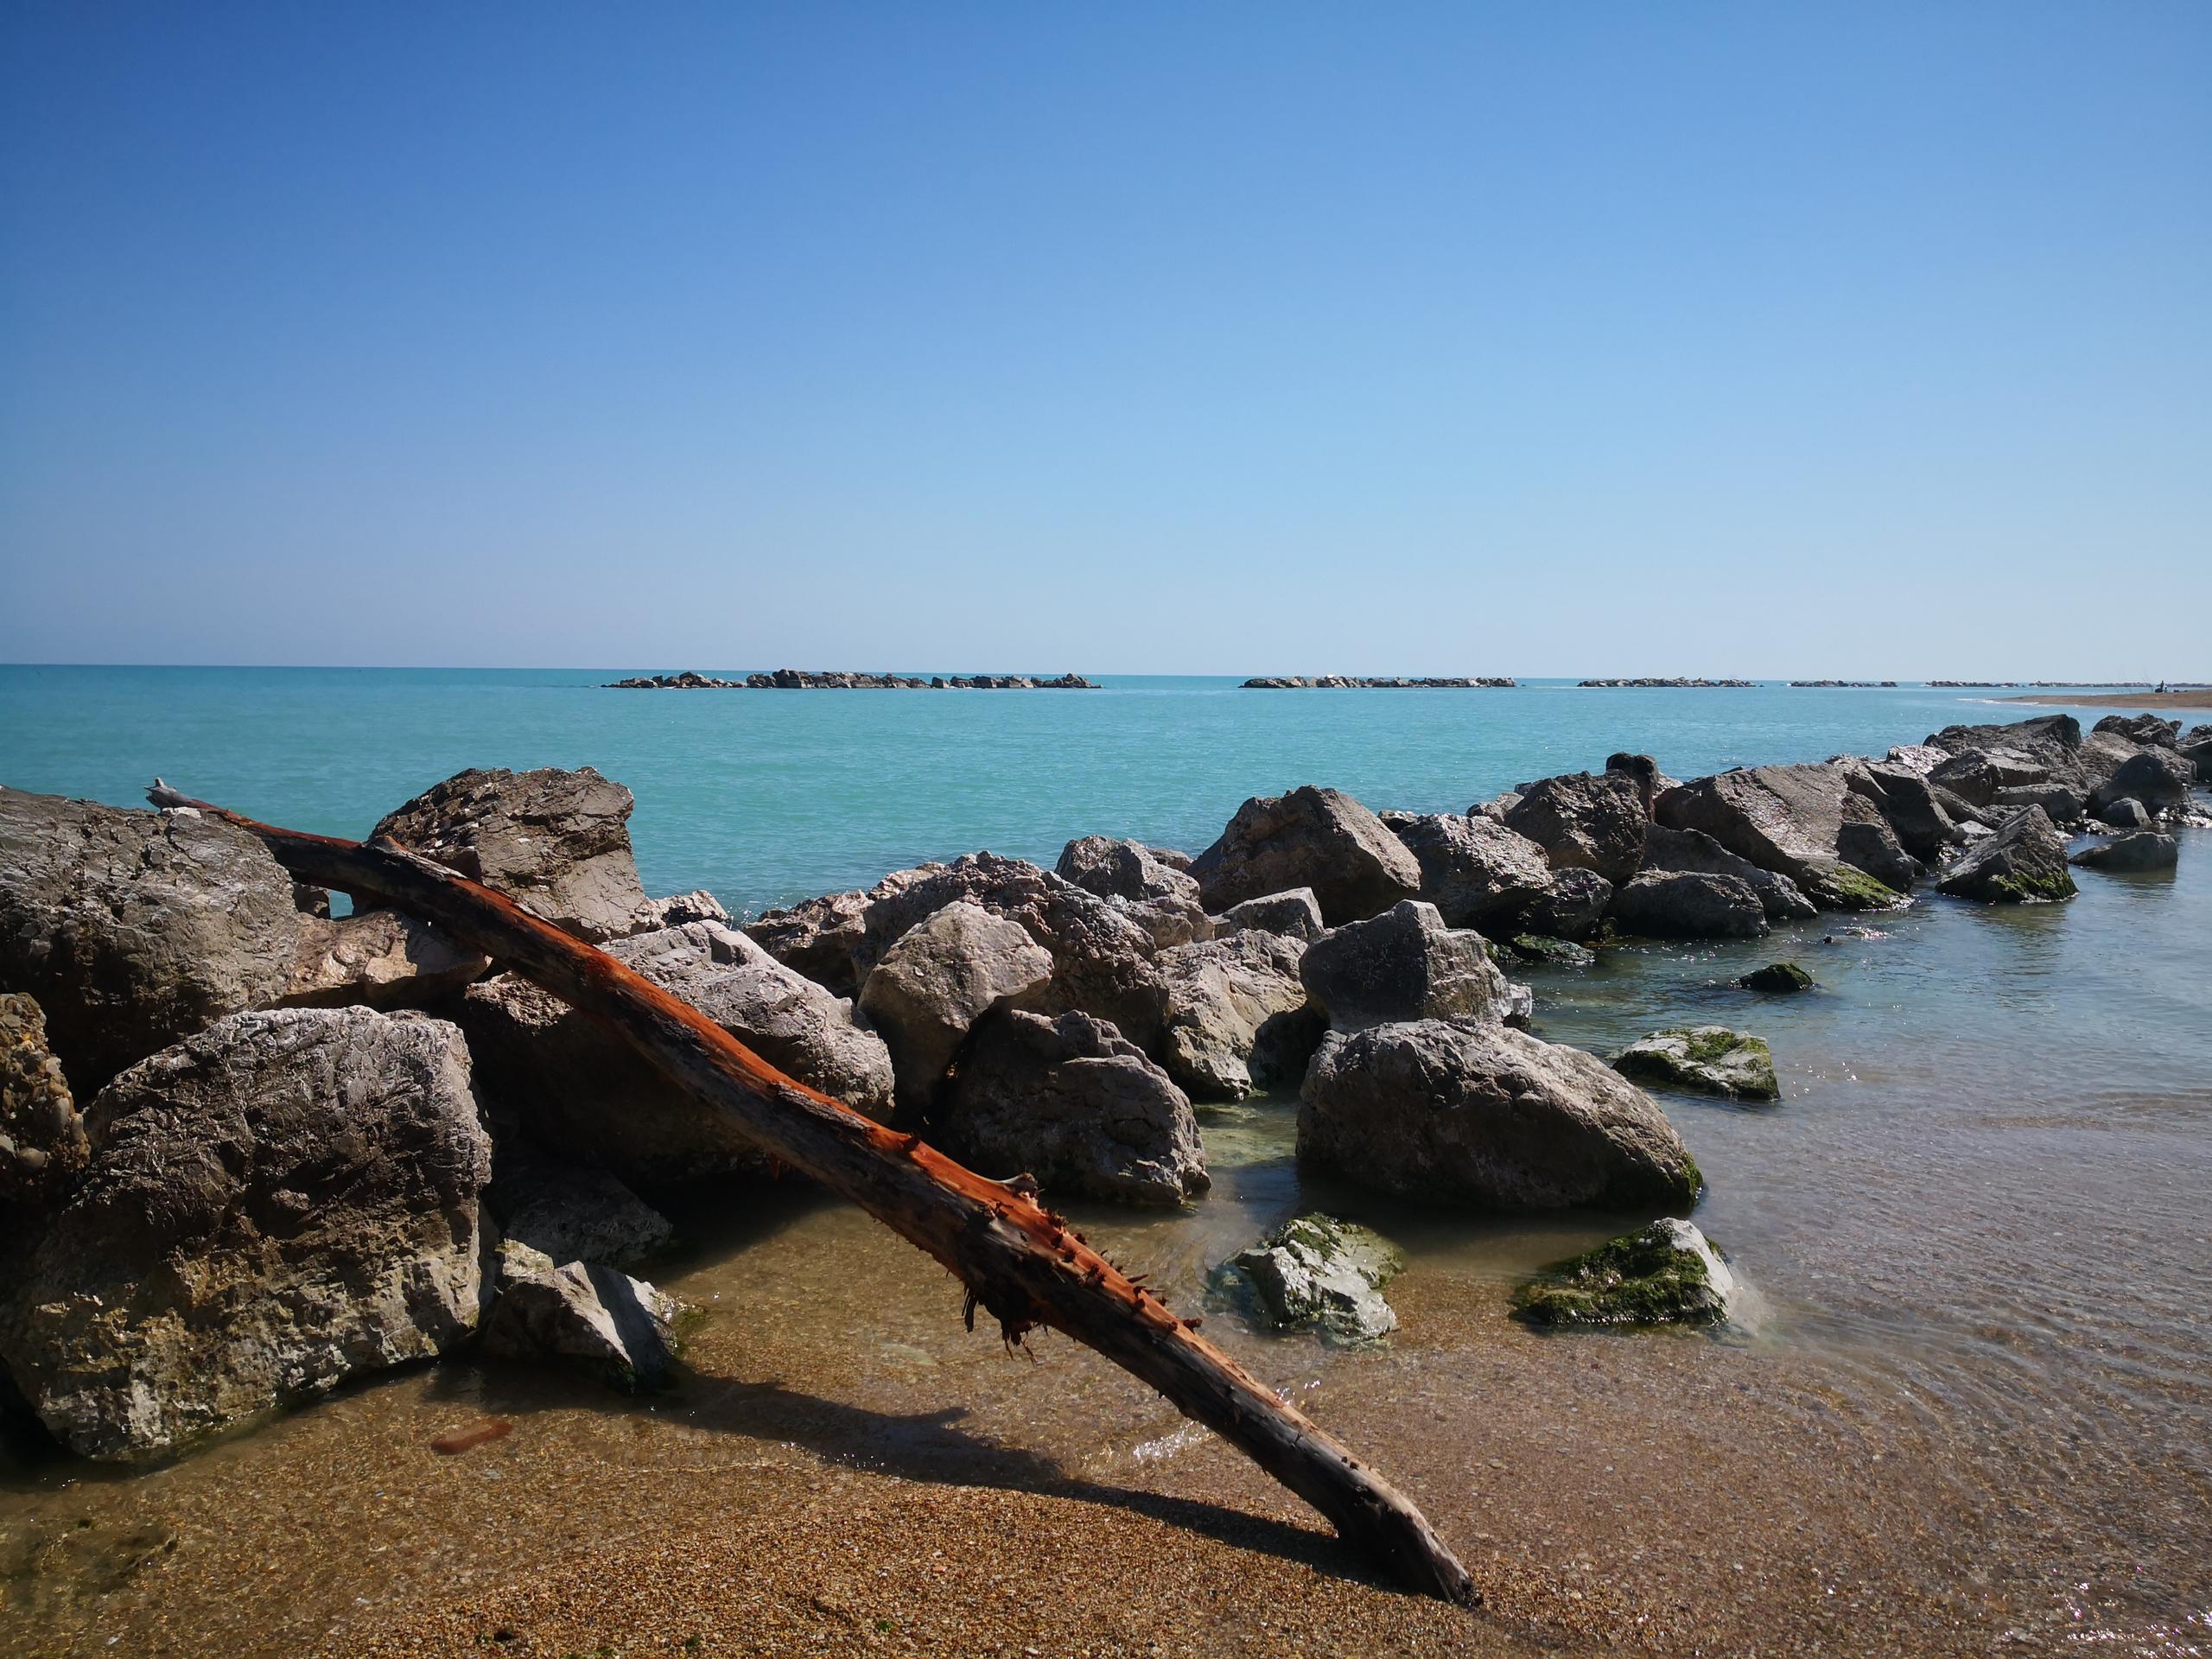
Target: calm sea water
(1980,1223)
(765,797)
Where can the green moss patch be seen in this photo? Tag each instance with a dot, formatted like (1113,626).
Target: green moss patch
(1666,1274)
(1777,979)
(1710,1059)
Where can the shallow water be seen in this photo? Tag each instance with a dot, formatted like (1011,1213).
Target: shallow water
(1975,1409)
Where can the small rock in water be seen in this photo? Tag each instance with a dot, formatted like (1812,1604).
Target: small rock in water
(1560,953)
(1780,978)
(2141,849)
(1668,1274)
(1316,1273)
(621,1326)
(1711,1059)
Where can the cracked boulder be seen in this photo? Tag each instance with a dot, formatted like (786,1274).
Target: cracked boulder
(941,976)
(1312,837)
(1237,1014)
(1403,965)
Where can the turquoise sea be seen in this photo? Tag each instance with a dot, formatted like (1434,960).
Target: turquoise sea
(765,797)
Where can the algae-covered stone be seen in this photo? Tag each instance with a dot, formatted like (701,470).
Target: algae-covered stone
(1711,1060)
(1559,953)
(1778,979)
(1666,1274)
(2023,862)
(1316,1273)
(1834,884)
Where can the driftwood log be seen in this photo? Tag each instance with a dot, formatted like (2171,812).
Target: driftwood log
(1017,1260)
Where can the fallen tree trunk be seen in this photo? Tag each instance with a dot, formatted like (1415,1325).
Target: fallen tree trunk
(1017,1259)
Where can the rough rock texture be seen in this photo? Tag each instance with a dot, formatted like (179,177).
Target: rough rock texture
(380,959)
(1572,907)
(2198,751)
(1795,821)
(1167,922)
(2146,729)
(1585,821)
(619,1327)
(585,1094)
(2161,778)
(2060,803)
(42,1146)
(1913,807)
(697,905)
(1644,772)
(1237,1014)
(1317,838)
(281,1202)
(2025,859)
(573,1212)
(1864,841)
(1403,965)
(1777,979)
(941,976)
(1315,1272)
(1834,884)
(1667,1273)
(1710,1059)
(1977,776)
(1686,904)
(1451,1112)
(557,843)
(134,929)
(2126,814)
(2145,850)
(1295,915)
(1559,953)
(1122,869)
(1691,851)
(1474,871)
(2052,740)
(1101,960)
(819,937)
(1075,1104)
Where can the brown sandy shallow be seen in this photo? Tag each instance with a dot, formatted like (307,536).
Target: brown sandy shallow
(2197,699)
(845,1470)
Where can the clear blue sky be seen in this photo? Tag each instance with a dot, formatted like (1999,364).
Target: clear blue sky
(1860,339)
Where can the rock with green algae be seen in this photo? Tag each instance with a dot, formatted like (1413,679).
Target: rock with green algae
(1711,1060)
(2023,862)
(1316,1273)
(1778,978)
(1834,884)
(1560,953)
(1667,1273)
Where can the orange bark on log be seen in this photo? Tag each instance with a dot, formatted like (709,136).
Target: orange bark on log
(1017,1259)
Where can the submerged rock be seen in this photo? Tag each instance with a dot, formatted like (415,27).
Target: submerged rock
(1484,1116)
(1711,1060)
(42,1146)
(1474,870)
(136,928)
(619,1327)
(1585,821)
(1316,1273)
(2022,863)
(282,1201)
(938,979)
(557,843)
(1777,979)
(1312,837)
(1237,1016)
(1686,904)
(1403,965)
(1834,884)
(1667,1273)
(2145,850)
(1295,915)
(1558,953)
(1074,1103)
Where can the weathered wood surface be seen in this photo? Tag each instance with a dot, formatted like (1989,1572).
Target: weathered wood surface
(1017,1259)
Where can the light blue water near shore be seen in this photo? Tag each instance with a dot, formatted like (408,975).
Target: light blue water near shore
(765,797)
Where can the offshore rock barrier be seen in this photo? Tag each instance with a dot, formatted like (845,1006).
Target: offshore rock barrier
(802,679)
(1677,684)
(1385,683)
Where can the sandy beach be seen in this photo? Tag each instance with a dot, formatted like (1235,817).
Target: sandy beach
(2200,697)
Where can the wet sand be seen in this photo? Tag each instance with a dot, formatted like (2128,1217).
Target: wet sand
(2199,699)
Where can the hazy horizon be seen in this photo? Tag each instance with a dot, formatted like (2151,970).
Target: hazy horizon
(1782,344)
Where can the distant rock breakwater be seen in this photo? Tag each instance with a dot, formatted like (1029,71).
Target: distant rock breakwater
(804,679)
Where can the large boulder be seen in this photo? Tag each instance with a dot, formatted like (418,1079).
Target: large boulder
(1914,809)
(2060,803)
(1585,821)
(2126,814)
(2159,777)
(2146,729)
(1238,1015)
(1690,851)
(1979,776)
(1403,965)
(2024,860)
(42,1146)
(1686,903)
(1572,906)
(2053,741)
(586,1095)
(2197,751)
(584,1314)
(940,977)
(1295,915)
(1317,838)
(1101,959)
(1707,1059)
(1864,841)
(134,929)
(281,1202)
(819,937)
(1453,1112)
(1074,1103)
(1474,870)
(2145,850)
(380,959)
(1122,869)
(557,843)
(1642,771)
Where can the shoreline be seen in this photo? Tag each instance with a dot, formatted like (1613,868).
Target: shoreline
(2200,697)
